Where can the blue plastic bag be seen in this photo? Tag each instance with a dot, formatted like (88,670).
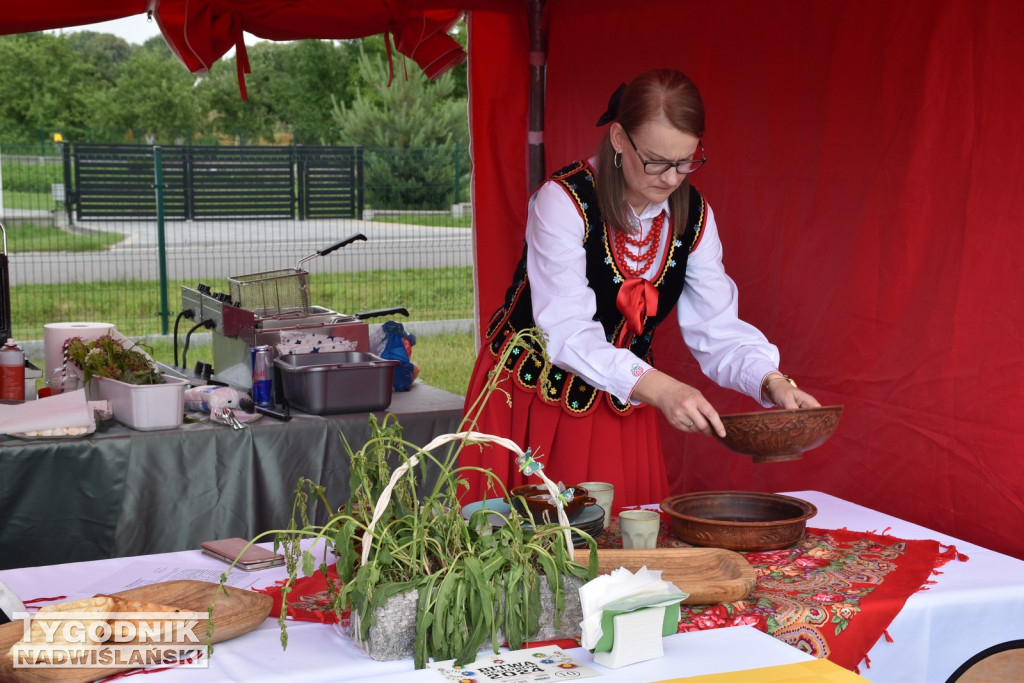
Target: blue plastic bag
(396,346)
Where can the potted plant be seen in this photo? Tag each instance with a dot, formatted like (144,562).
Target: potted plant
(119,371)
(403,547)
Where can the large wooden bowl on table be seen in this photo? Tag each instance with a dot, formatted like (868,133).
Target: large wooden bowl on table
(707,575)
(738,520)
(779,435)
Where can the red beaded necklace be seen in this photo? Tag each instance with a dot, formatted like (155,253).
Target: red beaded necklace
(644,257)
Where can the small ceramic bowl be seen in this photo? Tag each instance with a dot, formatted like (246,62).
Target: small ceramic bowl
(538,501)
(777,435)
(738,520)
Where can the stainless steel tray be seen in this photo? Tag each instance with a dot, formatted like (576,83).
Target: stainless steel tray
(338,382)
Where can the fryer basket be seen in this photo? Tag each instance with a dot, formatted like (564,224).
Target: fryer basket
(279,292)
(272,293)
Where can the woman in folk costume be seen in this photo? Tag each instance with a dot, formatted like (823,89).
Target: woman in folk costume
(613,244)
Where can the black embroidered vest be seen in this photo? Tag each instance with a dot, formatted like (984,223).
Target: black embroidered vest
(527,365)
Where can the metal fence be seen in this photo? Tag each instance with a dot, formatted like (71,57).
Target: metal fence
(116,182)
(129,271)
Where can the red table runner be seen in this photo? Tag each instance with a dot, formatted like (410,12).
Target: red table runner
(832,595)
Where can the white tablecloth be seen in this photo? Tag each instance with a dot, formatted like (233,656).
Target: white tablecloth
(972,606)
(318,652)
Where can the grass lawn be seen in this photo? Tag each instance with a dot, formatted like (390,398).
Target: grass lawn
(29,237)
(35,201)
(433,220)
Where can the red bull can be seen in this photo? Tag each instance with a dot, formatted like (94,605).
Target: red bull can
(263,376)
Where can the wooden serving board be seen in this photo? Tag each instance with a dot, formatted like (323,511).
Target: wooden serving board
(238,611)
(709,575)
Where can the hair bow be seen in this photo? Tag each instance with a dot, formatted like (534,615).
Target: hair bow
(613,106)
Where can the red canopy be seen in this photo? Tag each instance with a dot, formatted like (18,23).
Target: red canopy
(200,32)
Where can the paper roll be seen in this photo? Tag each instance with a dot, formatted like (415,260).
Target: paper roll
(55,334)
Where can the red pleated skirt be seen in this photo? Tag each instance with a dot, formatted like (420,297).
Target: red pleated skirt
(604,445)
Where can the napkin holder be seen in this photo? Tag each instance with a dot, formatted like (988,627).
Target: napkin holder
(10,604)
(634,635)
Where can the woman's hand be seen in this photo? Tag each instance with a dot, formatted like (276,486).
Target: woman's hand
(780,390)
(685,408)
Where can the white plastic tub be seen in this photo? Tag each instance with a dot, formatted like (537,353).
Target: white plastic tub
(145,407)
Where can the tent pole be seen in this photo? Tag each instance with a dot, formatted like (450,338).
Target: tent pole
(538,67)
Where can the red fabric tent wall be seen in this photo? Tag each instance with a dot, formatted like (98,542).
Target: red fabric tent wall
(863,168)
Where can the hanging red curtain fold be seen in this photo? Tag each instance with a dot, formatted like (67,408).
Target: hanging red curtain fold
(200,32)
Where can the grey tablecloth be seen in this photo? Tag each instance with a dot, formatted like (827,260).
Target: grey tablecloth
(122,492)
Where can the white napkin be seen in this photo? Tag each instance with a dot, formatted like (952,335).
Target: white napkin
(70,409)
(9,602)
(646,587)
(297,341)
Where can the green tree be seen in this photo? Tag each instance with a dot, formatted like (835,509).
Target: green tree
(45,87)
(105,51)
(157,45)
(154,97)
(308,69)
(95,86)
(460,73)
(414,126)
(289,89)
(226,112)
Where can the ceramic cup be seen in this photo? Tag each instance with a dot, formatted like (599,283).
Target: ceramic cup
(603,493)
(639,528)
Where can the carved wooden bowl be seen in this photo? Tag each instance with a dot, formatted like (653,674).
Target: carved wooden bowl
(777,435)
(738,520)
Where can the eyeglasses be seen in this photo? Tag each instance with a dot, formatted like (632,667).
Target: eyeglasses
(658,167)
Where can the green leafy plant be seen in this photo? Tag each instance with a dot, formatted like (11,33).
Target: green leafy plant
(108,357)
(398,532)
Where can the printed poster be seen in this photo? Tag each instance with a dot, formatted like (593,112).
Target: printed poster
(535,665)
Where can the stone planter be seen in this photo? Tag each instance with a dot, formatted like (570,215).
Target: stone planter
(393,635)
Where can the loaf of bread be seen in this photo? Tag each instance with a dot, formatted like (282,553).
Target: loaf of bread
(99,604)
(126,605)
(54,637)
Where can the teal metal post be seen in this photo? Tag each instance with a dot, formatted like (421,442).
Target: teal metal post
(158,174)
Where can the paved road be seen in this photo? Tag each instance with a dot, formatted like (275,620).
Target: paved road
(212,251)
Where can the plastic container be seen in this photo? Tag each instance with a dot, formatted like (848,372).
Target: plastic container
(12,372)
(338,382)
(144,407)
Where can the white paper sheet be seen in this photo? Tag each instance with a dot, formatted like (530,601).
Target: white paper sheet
(142,573)
(53,412)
